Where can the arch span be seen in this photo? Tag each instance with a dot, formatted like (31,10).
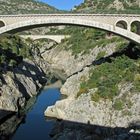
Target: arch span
(2,23)
(122,24)
(56,38)
(135,27)
(71,21)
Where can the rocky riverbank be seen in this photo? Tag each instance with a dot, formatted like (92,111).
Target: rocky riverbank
(23,82)
(82,109)
(19,85)
(85,119)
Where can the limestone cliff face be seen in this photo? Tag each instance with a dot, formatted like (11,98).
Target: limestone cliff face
(64,60)
(84,110)
(19,85)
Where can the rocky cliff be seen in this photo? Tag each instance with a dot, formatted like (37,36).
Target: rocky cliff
(59,58)
(19,85)
(102,86)
(24,7)
(85,104)
(21,76)
(109,6)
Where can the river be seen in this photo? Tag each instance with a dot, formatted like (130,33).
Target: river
(36,126)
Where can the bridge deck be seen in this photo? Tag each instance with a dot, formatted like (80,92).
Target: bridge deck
(93,15)
(107,22)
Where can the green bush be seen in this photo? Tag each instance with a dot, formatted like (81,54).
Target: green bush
(101,54)
(95,97)
(118,105)
(13,50)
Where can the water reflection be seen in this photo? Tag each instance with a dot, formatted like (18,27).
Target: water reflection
(8,127)
(34,125)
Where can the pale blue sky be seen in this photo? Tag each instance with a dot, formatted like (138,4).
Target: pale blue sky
(63,4)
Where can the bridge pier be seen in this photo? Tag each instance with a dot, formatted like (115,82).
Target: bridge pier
(129,27)
(138,30)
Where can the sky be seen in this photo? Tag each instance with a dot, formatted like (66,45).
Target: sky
(63,4)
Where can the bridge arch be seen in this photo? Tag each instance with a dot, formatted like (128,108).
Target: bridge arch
(135,26)
(38,22)
(122,24)
(55,38)
(2,23)
(43,38)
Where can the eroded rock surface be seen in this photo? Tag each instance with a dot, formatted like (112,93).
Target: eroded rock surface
(19,85)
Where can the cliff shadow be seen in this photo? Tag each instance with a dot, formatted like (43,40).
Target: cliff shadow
(26,69)
(30,70)
(69,130)
(9,122)
(21,87)
(131,51)
(4,114)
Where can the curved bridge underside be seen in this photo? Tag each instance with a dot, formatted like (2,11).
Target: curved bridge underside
(60,20)
(56,38)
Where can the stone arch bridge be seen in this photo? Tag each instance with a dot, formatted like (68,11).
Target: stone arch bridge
(56,38)
(119,24)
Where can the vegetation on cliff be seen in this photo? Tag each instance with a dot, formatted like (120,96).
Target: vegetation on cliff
(83,39)
(108,77)
(109,6)
(105,77)
(12,51)
(24,7)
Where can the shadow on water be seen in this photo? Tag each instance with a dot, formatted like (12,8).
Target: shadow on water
(65,130)
(9,121)
(69,130)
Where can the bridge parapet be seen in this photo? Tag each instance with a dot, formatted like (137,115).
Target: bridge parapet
(108,22)
(106,18)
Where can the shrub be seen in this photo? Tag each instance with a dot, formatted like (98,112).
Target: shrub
(118,105)
(101,54)
(13,50)
(95,97)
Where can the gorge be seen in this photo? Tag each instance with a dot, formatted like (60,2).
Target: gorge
(99,72)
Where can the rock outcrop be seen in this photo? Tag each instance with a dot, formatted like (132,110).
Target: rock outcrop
(19,85)
(59,58)
(85,119)
(84,110)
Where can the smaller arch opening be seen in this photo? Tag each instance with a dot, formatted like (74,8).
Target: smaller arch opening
(135,27)
(122,24)
(2,24)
